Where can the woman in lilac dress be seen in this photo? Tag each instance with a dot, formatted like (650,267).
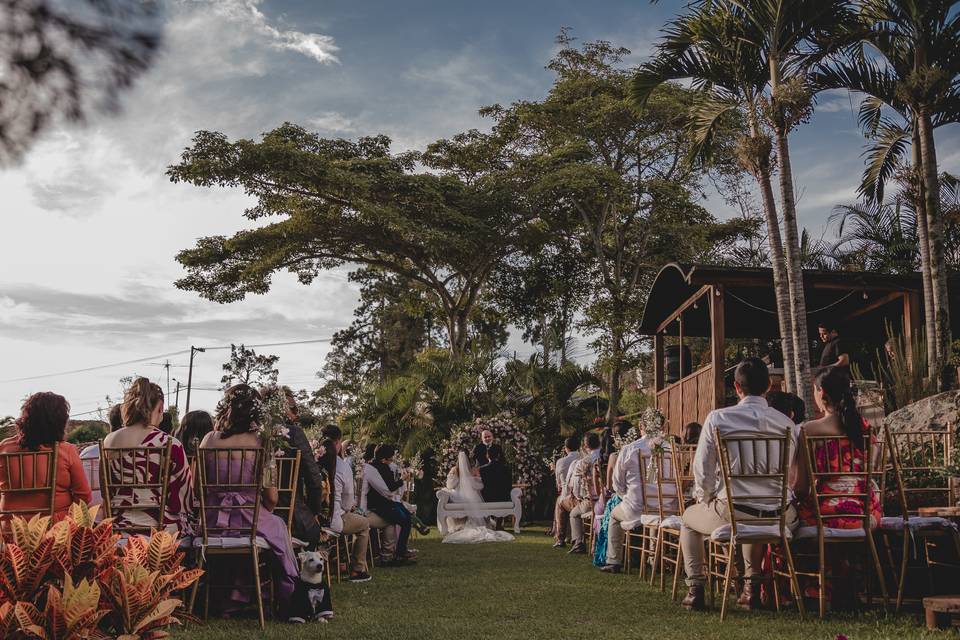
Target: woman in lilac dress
(237,425)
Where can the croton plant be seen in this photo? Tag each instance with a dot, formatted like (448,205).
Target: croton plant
(74,580)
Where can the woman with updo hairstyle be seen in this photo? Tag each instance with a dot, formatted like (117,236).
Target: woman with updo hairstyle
(834,397)
(40,427)
(141,413)
(237,425)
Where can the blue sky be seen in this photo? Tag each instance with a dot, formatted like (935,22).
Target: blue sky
(92,224)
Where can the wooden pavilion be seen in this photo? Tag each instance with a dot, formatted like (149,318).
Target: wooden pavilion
(721,303)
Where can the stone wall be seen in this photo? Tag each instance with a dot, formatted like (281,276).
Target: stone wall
(934,412)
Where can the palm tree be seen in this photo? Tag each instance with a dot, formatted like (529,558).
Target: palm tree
(883,235)
(705,46)
(912,67)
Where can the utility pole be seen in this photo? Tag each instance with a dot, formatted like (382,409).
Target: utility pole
(166,366)
(176,402)
(193,350)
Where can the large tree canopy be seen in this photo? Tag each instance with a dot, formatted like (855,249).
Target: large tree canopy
(336,202)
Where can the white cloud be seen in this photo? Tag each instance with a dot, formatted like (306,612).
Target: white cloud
(331,121)
(321,48)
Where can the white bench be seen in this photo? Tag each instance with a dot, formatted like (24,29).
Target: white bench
(447,509)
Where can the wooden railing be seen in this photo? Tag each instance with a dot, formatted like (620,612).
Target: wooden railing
(687,400)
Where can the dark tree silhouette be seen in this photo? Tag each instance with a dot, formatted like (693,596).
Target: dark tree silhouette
(62,60)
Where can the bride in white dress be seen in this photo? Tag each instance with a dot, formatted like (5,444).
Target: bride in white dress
(464,489)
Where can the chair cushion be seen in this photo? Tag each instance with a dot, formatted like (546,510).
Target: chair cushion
(649,519)
(895,523)
(671,522)
(830,532)
(230,543)
(183,544)
(298,543)
(748,532)
(484,506)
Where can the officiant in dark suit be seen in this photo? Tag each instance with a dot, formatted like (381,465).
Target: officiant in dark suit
(496,476)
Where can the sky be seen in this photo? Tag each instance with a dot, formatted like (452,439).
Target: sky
(90,224)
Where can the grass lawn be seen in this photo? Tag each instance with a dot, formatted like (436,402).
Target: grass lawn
(525,589)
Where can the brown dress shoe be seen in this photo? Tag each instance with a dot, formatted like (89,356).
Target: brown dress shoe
(750,597)
(694,600)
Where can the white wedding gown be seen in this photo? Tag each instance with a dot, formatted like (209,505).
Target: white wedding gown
(465,490)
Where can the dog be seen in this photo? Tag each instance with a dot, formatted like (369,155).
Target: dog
(311,598)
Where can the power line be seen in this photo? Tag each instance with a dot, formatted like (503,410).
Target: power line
(156,357)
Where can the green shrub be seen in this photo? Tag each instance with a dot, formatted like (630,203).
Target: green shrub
(89,431)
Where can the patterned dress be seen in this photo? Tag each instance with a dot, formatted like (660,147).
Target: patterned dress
(178,516)
(836,510)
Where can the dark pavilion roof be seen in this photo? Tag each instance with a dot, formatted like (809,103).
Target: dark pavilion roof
(750,308)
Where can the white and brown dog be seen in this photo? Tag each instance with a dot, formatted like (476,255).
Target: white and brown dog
(311,598)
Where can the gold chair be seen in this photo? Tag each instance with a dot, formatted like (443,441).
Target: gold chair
(230,484)
(920,457)
(28,480)
(747,477)
(682,482)
(288,475)
(826,466)
(597,489)
(649,533)
(133,494)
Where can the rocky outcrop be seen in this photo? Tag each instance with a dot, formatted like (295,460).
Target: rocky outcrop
(935,412)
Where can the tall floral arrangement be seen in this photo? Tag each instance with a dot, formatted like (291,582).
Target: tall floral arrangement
(654,424)
(528,467)
(273,431)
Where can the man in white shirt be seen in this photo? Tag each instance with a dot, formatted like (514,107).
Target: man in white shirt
(750,417)
(344,521)
(581,494)
(561,468)
(373,481)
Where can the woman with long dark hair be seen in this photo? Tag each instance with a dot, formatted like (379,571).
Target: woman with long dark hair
(40,427)
(834,397)
(237,425)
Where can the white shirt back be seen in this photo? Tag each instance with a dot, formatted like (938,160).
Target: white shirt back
(563,467)
(750,417)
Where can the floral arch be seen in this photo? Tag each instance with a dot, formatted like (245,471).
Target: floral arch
(527,467)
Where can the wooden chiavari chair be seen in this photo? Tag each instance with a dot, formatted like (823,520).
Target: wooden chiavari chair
(825,465)
(134,496)
(597,482)
(224,492)
(644,537)
(667,505)
(288,475)
(747,481)
(670,552)
(28,480)
(920,457)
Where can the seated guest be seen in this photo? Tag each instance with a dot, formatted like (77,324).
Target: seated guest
(604,511)
(496,476)
(582,493)
(372,481)
(561,467)
(386,504)
(691,433)
(627,482)
(91,453)
(142,411)
(236,426)
(750,417)
(342,502)
(193,429)
(309,482)
(166,423)
(833,396)
(40,427)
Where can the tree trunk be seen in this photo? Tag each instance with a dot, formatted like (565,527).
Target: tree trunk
(616,367)
(929,313)
(938,271)
(780,281)
(545,340)
(798,305)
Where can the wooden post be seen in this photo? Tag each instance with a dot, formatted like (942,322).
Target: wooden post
(717,344)
(658,362)
(911,321)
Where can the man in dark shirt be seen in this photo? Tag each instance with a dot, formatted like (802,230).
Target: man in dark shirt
(834,352)
(496,477)
(309,503)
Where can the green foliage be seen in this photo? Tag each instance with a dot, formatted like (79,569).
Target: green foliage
(904,371)
(88,431)
(249,367)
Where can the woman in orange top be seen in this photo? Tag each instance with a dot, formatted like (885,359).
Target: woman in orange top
(42,423)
